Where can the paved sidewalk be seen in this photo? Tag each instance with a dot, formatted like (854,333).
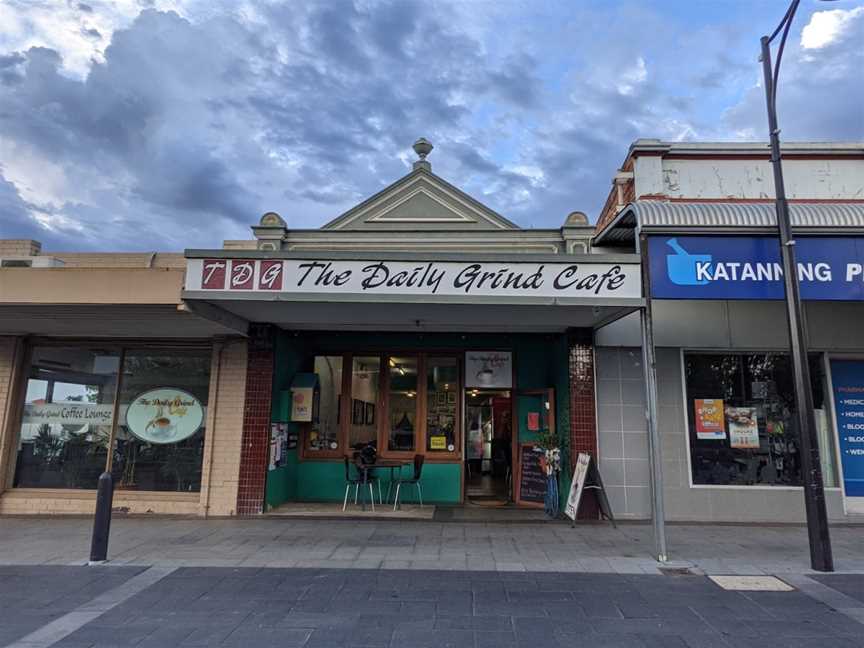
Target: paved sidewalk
(367,544)
(353,608)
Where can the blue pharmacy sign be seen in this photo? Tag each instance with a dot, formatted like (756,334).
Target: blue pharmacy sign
(847,378)
(749,267)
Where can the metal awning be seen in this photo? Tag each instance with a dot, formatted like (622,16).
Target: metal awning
(827,217)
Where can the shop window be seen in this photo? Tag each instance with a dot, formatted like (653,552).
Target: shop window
(742,425)
(67,417)
(161,424)
(442,411)
(324,433)
(363,413)
(402,403)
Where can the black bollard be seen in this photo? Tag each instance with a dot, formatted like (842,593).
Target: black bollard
(102,519)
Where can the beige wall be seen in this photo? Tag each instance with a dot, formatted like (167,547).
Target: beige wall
(221,465)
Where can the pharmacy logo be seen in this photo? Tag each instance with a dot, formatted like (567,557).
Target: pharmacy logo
(682,267)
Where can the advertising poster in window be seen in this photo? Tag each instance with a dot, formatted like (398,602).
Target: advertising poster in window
(847,377)
(743,427)
(710,421)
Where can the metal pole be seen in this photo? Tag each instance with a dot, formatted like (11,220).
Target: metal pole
(649,364)
(821,558)
(102,518)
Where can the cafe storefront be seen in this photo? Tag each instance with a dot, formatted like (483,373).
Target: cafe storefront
(463,360)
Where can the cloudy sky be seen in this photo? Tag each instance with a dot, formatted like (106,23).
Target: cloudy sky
(164,124)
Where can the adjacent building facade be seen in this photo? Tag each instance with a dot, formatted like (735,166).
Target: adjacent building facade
(234,381)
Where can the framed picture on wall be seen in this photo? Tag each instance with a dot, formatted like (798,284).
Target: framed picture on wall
(370,413)
(358,411)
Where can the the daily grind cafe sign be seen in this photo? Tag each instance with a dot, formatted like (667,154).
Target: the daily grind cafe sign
(418,278)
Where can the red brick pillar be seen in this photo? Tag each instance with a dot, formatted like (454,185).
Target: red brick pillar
(583,415)
(256,421)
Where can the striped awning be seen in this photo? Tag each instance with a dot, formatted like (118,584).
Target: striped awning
(668,215)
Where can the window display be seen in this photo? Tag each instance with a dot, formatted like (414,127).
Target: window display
(67,417)
(324,433)
(160,431)
(365,375)
(442,383)
(402,403)
(742,427)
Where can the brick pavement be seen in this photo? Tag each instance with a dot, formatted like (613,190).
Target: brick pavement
(338,608)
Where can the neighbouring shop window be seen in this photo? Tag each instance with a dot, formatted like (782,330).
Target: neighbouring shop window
(442,390)
(67,417)
(402,403)
(742,427)
(363,414)
(324,433)
(161,423)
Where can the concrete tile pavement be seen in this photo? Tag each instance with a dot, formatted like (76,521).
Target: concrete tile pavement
(338,608)
(390,544)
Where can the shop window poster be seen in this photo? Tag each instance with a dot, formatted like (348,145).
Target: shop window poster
(710,420)
(743,427)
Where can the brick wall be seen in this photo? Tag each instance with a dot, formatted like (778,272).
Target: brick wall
(583,418)
(19,247)
(227,397)
(256,421)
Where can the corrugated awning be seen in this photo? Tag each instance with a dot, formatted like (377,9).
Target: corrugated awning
(668,215)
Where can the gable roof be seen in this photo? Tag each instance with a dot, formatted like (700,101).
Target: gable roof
(420,200)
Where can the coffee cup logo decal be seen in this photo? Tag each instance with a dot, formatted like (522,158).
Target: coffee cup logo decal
(164,415)
(682,267)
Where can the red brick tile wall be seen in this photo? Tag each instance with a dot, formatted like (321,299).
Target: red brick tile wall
(583,419)
(256,422)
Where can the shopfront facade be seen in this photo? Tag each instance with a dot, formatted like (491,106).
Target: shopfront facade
(730,449)
(425,323)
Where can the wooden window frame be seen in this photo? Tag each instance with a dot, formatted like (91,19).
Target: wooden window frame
(446,455)
(382,405)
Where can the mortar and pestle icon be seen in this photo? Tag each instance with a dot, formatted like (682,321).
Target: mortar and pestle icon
(681,266)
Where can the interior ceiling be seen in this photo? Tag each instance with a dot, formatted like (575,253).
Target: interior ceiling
(453,318)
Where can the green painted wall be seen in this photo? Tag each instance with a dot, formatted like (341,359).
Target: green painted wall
(540,360)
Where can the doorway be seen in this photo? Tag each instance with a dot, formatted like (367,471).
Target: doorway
(488,447)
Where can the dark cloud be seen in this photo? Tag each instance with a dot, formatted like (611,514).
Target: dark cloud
(189,128)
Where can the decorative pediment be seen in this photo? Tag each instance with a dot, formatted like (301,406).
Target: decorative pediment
(420,200)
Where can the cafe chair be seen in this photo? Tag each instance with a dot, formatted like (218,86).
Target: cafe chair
(356,482)
(415,479)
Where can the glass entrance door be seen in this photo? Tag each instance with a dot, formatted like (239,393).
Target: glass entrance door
(488,446)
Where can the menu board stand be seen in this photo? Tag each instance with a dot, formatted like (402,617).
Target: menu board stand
(586,476)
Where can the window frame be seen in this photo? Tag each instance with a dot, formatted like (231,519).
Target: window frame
(121,346)
(382,407)
(687,414)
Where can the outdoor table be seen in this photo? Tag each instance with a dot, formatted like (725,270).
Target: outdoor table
(392,464)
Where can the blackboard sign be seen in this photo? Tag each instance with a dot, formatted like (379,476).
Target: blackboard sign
(532,479)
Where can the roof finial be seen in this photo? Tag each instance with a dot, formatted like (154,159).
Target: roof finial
(422,147)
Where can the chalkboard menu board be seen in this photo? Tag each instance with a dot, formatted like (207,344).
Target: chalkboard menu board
(532,479)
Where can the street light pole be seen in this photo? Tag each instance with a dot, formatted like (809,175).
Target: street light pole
(821,558)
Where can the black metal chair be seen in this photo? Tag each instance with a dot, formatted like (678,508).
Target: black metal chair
(415,479)
(361,479)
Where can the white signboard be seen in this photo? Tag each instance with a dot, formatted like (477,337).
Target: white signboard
(301,404)
(419,278)
(67,413)
(577,485)
(489,369)
(164,415)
